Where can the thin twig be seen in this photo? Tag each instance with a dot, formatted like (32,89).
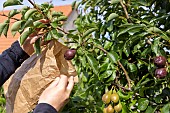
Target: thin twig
(39,10)
(32,3)
(60,29)
(102,49)
(126,74)
(126,13)
(120,86)
(10,18)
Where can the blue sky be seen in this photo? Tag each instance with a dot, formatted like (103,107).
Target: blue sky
(55,2)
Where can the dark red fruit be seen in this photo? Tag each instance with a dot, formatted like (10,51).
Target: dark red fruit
(160,72)
(70,54)
(160,61)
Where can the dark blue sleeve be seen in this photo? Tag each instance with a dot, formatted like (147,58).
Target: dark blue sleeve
(10,60)
(44,108)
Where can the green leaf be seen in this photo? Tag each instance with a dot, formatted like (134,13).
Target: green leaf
(153,29)
(54,34)
(124,108)
(126,49)
(104,66)
(13,12)
(93,63)
(155,46)
(106,74)
(143,104)
(157,30)
(115,1)
(130,28)
(38,24)
(112,77)
(48,36)
(54,24)
(112,16)
(62,18)
(113,56)
(2,101)
(29,13)
(11,3)
(59,35)
(107,45)
(28,23)
(88,32)
(73,4)
(150,110)
(25,35)
(56,14)
(5,30)
(124,96)
(37,46)
(15,27)
(3,25)
(166,108)
(132,67)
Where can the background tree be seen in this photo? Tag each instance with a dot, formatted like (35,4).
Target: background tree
(119,43)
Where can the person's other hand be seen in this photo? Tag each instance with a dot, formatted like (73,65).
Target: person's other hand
(58,92)
(28,44)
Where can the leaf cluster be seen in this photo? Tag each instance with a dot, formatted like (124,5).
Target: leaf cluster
(116,43)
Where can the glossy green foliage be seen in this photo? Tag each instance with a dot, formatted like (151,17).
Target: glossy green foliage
(116,43)
(121,50)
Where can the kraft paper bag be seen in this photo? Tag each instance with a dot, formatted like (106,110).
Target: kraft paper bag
(28,82)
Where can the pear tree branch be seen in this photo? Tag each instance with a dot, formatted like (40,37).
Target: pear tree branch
(125,10)
(10,18)
(124,70)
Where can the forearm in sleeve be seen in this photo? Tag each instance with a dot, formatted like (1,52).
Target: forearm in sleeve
(10,60)
(44,108)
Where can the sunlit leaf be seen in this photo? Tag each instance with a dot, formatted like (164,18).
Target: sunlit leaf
(112,16)
(143,104)
(88,32)
(166,108)
(37,46)
(130,28)
(12,3)
(113,56)
(13,12)
(15,27)
(29,13)
(3,25)
(25,35)
(93,63)
(115,1)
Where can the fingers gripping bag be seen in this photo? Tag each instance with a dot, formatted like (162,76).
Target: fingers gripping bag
(25,86)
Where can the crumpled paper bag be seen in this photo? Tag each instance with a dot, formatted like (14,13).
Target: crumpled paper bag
(26,85)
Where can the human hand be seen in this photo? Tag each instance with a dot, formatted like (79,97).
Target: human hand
(58,92)
(28,44)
